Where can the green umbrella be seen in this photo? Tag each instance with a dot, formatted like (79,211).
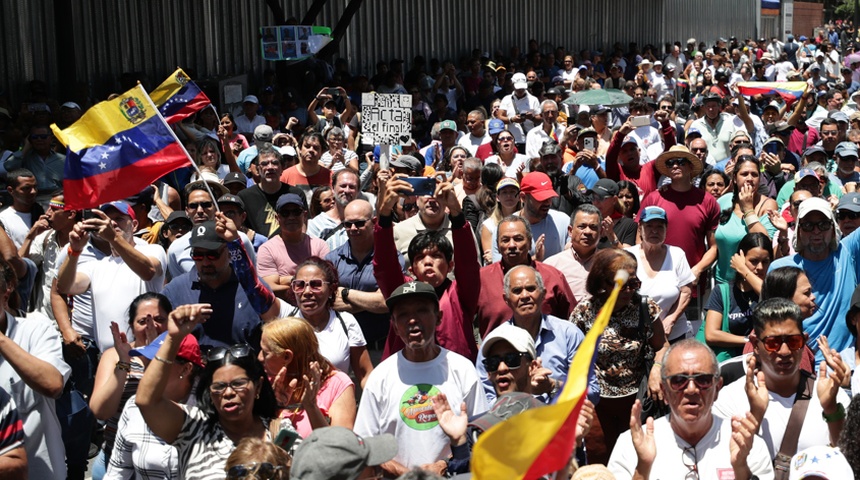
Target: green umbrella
(609,97)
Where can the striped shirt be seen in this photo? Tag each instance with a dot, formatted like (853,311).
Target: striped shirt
(138,453)
(11,426)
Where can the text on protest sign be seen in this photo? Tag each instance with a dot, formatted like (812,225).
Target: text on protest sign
(386,118)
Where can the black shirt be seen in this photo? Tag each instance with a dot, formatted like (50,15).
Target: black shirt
(260,207)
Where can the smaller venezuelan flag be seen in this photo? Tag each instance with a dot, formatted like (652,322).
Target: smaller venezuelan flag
(178,97)
(789,91)
(116,149)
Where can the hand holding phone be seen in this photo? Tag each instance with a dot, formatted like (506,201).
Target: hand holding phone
(422,186)
(641,121)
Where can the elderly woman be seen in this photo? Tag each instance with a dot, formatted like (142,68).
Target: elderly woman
(744,211)
(728,317)
(340,338)
(234,400)
(311,393)
(634,336)
(338,156)
(665,274)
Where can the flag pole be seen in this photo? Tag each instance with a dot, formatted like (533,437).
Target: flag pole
(188,155)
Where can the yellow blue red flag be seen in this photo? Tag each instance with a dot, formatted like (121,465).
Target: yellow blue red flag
(116,149)
(540,441)
(178,97)
(789,91)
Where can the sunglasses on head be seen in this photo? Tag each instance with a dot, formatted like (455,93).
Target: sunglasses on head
(774,342)
(822,226)
(263,471)
(212,255)
(513,360)
(846,215)
(680,381)
(315,284)
(679,162)
(203,205)
(354,223)
(240,350)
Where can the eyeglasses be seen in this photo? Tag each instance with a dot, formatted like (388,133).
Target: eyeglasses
(680,381)
(211,255)
(240,350)
(179,227)
(677,162)
(513,360)
(203,205)
(292,212)
(354,223)
(774,342)
(846,215)
(632,284)
(691,461)
(506,139)
(262,471)
(822,226)
(696,150)
(315,284)
(667,108)
(238,385)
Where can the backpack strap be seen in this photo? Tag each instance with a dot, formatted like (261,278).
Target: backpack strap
(788,448)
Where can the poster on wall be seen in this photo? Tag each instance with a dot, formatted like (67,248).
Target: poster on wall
(292,42)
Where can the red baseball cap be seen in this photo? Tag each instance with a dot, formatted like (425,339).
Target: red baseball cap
(538,185)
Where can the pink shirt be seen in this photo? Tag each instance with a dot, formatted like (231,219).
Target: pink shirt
(276,258)
(337,384)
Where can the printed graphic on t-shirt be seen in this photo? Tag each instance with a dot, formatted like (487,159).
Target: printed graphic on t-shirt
(416,410)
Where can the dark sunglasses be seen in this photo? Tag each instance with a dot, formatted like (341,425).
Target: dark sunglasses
(408,207)
(846,215)
(694,150)
(823,226)
(513,360)
(179,227)
(680,381)
(315,284)
(680,162)
(774,342)
(263,471)
(286,213)
(203,205)
(667,108)
(240,350)
(632,284)
(43,136)
(211,255)
(354,223)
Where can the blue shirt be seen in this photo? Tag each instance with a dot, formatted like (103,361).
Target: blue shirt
(358,275)
(833,282)
(585,172)
(556,343)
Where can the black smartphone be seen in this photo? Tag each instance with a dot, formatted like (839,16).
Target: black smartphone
(88,214)
(421,186)
(334,92)
(772,148)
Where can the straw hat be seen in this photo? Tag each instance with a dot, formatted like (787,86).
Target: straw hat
(678,151)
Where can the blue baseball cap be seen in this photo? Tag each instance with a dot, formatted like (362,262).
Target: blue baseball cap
(496,126)
(652,213)
(846,149)
(289,199)
(189,349)
(122,207)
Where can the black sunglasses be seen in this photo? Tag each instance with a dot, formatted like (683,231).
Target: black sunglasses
(203,205)
(823,226)
(179,227)
(680,162)
(212,255)
(680,381)
(513,360)
(846,215)
(354,223)
(286,213)
(240,350)
(263,471)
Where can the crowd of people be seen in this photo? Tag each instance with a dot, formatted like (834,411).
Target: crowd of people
(298,306)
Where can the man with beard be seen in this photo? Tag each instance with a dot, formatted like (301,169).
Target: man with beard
(328,225)
(832,269)
(848,213)
(556,339)
(260,199)
(514,239)
(568,188)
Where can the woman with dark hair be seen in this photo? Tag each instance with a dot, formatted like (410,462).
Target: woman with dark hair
(311,392)
(729,312)
(793,284)
(234,400)
(322,200)
(849,442)
(628,195)
(228,124)
(633,337)
(340,338)
(744,211)
(715,182)
(118,372)
(480,206)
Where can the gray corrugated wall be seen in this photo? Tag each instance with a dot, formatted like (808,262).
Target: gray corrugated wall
(219,37)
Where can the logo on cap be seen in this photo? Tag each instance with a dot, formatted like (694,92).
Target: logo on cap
(411,287)
(201,230)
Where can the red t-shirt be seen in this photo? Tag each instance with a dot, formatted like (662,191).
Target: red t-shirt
(292,176)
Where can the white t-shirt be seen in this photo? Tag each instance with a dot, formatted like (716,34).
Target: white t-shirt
(536,137)
(471,142)
(713,459)
(334,343)
(665,287)
(17,224)
(396,400)
(733,401)
(511,171)
(114,285)
(650,141)
(519,106)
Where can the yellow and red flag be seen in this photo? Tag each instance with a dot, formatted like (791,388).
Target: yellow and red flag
(540,441)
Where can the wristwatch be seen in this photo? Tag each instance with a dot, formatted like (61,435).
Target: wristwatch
(344,295)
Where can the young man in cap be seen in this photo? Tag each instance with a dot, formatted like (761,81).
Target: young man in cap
(336,453)
(263,134)
(832,269)
(235,182)
(569,187)
(249,120)
(618,232)
(330,115)
(176,225)
(396,398)
(133,267)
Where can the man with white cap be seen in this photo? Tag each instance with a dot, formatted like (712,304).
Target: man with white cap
(520,110)
(249,120)
(832,269)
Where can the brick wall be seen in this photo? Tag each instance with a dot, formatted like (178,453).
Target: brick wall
(806,17)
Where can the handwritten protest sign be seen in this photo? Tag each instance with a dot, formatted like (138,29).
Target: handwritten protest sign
(386,118)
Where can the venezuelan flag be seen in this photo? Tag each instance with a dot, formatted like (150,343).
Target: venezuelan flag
(541,441)
(116,149)
(789,91)
(178,97)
